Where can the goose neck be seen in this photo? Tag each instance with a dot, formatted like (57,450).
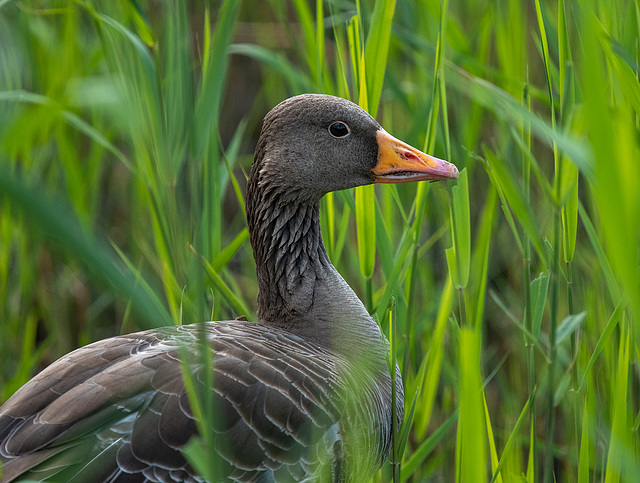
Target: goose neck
(290,257)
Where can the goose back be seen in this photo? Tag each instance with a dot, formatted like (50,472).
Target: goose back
(279,401)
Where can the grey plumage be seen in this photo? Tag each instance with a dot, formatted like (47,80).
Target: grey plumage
(274,391)
(305,393)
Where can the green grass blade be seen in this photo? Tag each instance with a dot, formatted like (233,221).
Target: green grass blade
(531,466)
(600,346)
(366,229)
(232,298)
(461,229)
(434,108)
(357,59)
(503,202)
(584,459)
(516,201)
(215,67)
(431,368)
(405,429)
(481,256)
(310,36)
(620,446)
(511,440)
(471,440)
(320,44)
(539,291)
(569,325)
(605,265)
(569,190)
(493,452)
(376,50)
(225,256)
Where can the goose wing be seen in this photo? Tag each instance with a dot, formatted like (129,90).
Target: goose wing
(117,410)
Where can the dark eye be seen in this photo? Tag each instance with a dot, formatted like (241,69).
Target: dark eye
(339,130)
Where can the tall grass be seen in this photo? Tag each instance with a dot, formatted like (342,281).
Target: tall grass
(126,134)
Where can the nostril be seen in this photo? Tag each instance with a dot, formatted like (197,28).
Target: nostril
(406,154)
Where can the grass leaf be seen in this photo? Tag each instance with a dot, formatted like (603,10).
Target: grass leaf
(461,228)
(471,440)
(568,326)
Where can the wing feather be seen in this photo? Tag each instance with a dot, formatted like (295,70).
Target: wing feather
(118,408)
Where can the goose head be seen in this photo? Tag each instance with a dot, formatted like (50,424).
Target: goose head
(313,144)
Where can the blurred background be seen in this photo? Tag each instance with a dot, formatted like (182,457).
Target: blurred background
(127,130)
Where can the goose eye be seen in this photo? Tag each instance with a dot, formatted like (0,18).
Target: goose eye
(339,130)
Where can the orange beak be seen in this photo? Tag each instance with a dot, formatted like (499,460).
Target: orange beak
(400,163)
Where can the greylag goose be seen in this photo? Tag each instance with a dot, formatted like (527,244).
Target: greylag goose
(303,394)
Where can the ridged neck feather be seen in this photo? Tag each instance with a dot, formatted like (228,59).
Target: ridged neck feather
(284,229)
